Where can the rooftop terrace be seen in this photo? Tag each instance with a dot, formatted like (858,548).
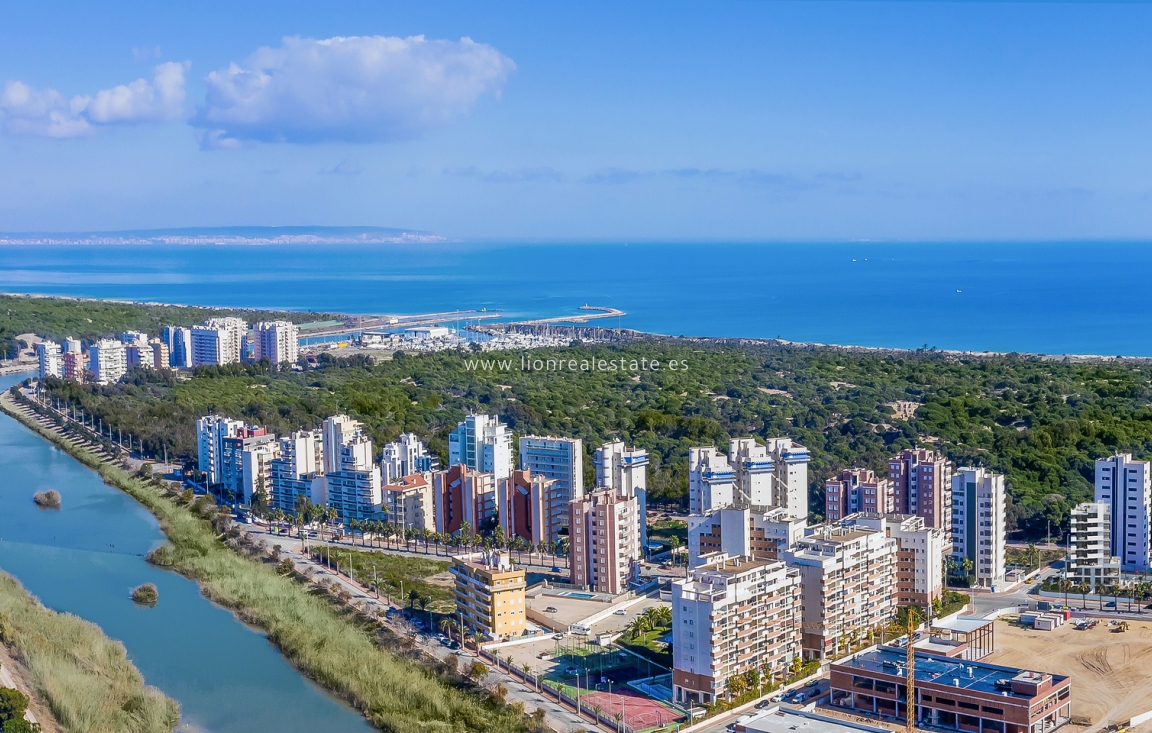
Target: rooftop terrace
(965,674)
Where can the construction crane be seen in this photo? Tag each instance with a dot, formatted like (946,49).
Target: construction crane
(910,671)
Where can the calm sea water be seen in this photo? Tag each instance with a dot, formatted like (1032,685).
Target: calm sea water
(1050,298)
(87,557)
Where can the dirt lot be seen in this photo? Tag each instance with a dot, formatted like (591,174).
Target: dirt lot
(1111,672)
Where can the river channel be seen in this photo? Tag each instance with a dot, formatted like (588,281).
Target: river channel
(87,557)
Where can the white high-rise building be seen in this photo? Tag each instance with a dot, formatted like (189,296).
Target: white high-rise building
(211,430)
(133,338)
(626,470)
(790,460)
(108,361)
(72,346)
(560,460)
(730,617)
(979,523)
(919,555)
(1126,487)
(711,481)
(294,474)
(276,341)
(51,360)
(755,472)
(218,341)
(352,477)
(179,340)
(257,464)
(405,456)
(1090,558)
(481,443)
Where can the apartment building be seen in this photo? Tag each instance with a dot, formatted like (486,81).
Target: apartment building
(276,341)
(770,475)
(179,342)
(490,594)
(560,460)
(1126,487)
(979,523)
(73,366)
(604,541)
(729,617)
(218,341)
(482,444)
(405,456)
(1090,558)
(408,502)
(951,694)
(848,585)
(160,357)
(523,503)
(461,495)
(244,464)
(293,475)
(920,555)
(50,359)
(625,470)
(760,534)
(352,478)
(856,490)
(711,481)
(921,481)
(107,361)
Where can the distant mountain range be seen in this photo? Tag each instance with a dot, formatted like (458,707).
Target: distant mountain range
(228,235)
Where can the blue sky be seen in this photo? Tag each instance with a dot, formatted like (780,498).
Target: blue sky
(640,120)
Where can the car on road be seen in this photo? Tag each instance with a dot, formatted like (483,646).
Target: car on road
(799,698)
(620,612)
(454,644)
(763,704)
(558,637)
(776,698)
(812,683)
(555,569)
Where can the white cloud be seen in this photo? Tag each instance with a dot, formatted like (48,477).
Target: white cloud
(359,89)
(45,112)
(160,100)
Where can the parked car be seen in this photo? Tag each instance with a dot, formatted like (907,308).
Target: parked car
(558,637)
(551,609)
(555,569)
(776,698)
(812,683)
(620,612)
(763,704)
(800,698)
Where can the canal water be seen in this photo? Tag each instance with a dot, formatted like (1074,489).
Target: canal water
(87,557)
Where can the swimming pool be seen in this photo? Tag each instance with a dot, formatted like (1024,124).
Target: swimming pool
(578,594)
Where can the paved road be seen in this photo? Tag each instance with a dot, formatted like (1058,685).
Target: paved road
(560,719)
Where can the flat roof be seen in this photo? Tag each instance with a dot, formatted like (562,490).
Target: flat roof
(786,720)
(984,677)
(963,623)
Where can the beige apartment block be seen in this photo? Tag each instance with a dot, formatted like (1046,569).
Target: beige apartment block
(490,594)
(604,539)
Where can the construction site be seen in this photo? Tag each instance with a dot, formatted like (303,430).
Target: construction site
(1110,663)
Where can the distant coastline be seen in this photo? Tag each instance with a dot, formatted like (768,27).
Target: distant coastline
(246,235)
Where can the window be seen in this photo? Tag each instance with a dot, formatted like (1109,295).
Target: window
(994,711)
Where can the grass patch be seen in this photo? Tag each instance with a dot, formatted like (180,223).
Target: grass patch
(646,646)
(85,677)
(391,572)
(335,650)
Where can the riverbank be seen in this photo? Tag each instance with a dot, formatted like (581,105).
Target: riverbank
(85,680)
(336,651)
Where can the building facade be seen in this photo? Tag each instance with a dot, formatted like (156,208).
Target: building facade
(107,361)
(971,696)
(921,481)
(408,502)
(351,476)
(760,534)
(482,444)
(711,481)
(857,490)
(848,585)
(604,541)
(560,460)
(522,504)
(294,474)
(276,341)
(51,360)
(1090,558)
(218,341)
(920,555)
(1126,487)
(490,594)
(625,470)
(979,523)
(405,456)
(728,618)
(242,452)
(461,495)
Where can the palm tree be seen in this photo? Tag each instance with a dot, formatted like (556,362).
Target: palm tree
(967,566)
(1082,589)
(413,598)
(1065,585)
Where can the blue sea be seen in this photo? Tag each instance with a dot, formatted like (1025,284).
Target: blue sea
(1054,298)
